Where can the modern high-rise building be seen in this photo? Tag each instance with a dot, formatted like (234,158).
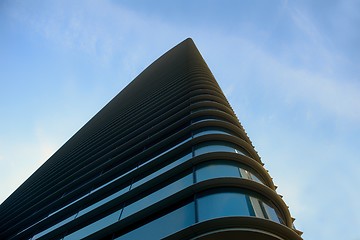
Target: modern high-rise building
(166,158)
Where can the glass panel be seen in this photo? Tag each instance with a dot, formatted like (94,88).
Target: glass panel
(255,178)
(94,227)
(209,118)
(245,174)
(113,180)
(31,225)
(211,130)
(165,225)
(216,169)
(223,168)
(240,151)
(133,169)
(204,118)
(157,196)
(103,201)
(249,175)
(217,146)
(258,207)
(271,213)
(69,204)
(166,151)
(212,147)
(162,170)
(217,204)
(54,226)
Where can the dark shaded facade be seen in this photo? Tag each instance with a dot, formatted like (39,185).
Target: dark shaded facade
(166,158)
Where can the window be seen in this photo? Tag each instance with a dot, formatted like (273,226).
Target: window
(205,118)
(258,207)
(165,225)
(223,203)
(218,146)
(224,168)
(226,202)
(216,169)
(165,151)
(94,227)
(158,195)
(54,226)
(162,170)
(271,214)
(103,201)
(249,175)
(211,130)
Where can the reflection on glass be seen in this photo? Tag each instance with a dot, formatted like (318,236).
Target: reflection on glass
(217,146)
(113,180)
(147,161)
(216,169)
(157,195)
(76,200)
(54,226)
(271,213)
(249,175)
(223,168)
(162,170)
(94,227)
(233,202)
(211,130)
(258,207)
(205,118)
(165,225)
(164,152)
(103,201)
(223,204)
(210,118)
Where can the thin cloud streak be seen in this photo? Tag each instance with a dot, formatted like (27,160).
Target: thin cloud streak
(336,97)
(98,28)
(111,34)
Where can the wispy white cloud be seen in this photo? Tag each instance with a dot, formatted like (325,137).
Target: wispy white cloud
(314,88)
(330,91)
(98,28)
(335,96)
(108,32)
(102,28)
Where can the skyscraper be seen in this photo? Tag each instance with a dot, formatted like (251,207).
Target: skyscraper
(166,158)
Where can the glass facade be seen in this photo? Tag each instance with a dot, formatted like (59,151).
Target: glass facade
(218,146)
(153,162)
(95,226)
(225,168)
(221,202)
(211,204)
(211,130)
(158,195)
(173,221)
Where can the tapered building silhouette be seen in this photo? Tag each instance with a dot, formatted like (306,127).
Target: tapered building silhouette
(166,158)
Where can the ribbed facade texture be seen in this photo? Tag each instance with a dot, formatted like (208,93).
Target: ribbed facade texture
(166,158)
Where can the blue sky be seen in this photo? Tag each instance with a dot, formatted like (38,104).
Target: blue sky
(290,69)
